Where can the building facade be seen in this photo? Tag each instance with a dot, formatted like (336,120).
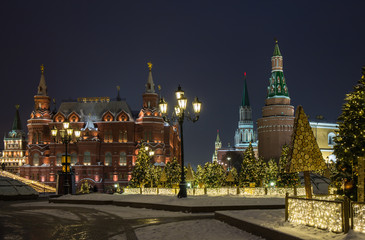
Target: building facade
(14,153)
(325,132)
(111,134)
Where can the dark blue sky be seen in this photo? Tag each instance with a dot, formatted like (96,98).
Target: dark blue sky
(90,47)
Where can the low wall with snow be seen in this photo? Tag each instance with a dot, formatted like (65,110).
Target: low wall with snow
(358,216)
(223,191)
(319,213)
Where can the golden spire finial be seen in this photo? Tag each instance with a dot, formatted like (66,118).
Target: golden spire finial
(17,106)
(149,64)
(118,88)
(276,40)
(42,68)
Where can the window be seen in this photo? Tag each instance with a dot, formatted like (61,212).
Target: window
(331,140)
(123,159)
(108,136)
(108,159)
(36,159)
(87,158)
(73,158)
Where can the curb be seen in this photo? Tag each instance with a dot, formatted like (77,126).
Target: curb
(267,233)
(166,207)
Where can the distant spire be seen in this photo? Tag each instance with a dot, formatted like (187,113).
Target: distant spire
(218,139)
(16,123)
(42,87)
(150,86)
(118,95)
(245,99)
(276,49)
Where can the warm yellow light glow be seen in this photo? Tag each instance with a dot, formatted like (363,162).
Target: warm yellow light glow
(163,106)
(54,132)
(66,125)
(197,105)
(151,153)
(69,131)
(317,213)
(179,93)
(77,133)
(177,111)
(182,103)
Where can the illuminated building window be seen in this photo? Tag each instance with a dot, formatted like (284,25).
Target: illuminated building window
(123,159)
(108,136)
(36,159)
(87,158)
(108,159)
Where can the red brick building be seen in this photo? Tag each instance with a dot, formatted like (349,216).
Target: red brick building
(111,134)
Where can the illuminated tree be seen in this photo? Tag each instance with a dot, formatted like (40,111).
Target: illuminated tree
(248,172)
(272,172)
(304,154)
(173,173)
(260,172)
(350,141)
(286,179)
(199,176)
(141,174)
(232,177)
(214,174)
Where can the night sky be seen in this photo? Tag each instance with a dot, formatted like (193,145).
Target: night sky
(90,47)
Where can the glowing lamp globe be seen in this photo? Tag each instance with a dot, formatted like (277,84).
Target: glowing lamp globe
(197,105)
(179,93)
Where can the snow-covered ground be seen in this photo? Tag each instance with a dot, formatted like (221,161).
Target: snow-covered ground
(200,228)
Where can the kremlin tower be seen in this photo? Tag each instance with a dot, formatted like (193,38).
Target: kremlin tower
(245,134)
(276,125)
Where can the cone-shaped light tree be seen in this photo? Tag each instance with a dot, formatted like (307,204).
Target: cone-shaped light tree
(304,153)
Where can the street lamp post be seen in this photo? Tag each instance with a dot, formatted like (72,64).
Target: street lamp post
(229,163)
(180,114)
(66,137)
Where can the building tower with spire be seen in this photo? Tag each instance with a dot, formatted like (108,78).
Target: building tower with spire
(276,125)
(111,134)
(13,155)
(245,133)
(217,145)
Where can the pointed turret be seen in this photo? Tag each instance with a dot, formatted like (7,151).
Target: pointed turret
(245,99)
(17,126)
(150,97)
(42,87)
(118,95)
(150,86)
(277,87)
(217,145)
(276,49)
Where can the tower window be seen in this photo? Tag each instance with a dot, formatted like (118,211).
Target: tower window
(331,140)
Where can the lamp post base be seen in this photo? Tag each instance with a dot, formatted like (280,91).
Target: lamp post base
(182,193)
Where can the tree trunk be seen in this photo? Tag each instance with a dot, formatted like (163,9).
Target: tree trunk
(307,184)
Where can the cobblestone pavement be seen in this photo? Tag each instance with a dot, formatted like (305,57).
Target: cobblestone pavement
(66,222)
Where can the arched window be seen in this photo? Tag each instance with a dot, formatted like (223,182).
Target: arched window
(108,159)
(331,140)
(87,158)
(73,158)
(58,159)
(36,159)
(123,159)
